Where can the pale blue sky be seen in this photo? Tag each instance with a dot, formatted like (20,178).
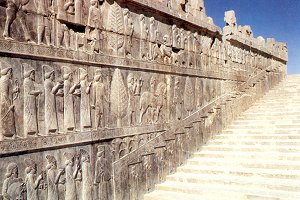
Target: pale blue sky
(279,19)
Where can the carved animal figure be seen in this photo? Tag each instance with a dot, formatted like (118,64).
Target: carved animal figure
(153,101)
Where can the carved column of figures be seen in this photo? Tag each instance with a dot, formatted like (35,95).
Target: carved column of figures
(102,175)
(7,107)
(30,102)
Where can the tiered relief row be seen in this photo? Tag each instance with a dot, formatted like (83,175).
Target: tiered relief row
(51,101)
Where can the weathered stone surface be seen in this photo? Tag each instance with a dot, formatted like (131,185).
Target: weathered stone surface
(101,99)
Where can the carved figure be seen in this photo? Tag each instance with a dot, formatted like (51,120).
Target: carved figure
(15,9)
(153,34)
(102,174)
(86,176)
(51,90)
(30,101)
(144,33)
(32,182)
(99,98)
(43,21)
(128,32)
(13,186)
(7,123)
(69,89)
(164,52)
(131,86)
(153,101)
(53,178)
(93,27)
(85,111)
(178,100)
(189,95)
(70,175)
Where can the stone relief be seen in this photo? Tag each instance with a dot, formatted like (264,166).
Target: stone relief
(118,82)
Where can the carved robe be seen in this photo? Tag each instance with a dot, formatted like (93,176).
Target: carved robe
(50,107)
(102,177)
(52,193)
(70,184)
(7,123)
(32,187)
(99,97)
(12,188)
(69,120)
(85,111)
(86,181)
(30,108)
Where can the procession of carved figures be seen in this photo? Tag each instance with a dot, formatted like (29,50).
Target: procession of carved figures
(112,29)
(76,176)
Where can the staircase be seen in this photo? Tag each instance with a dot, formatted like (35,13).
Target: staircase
(257,157)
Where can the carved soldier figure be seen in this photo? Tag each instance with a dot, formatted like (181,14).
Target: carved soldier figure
(43,21)
(51,90)
(70,176)
(7,123)
(53,178)
(85,111)
(69,89)
(15,9)
(102,174)
(131,92)
(86,176)
(12,187)
(30,101)
(99,98)
(143,37)
(153,33)
(93,26)
(128,31)
(178,100)
(32,182)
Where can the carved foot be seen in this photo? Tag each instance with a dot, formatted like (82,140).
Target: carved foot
(31,42)
(8,38)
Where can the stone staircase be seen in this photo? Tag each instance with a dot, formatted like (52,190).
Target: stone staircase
(257,157)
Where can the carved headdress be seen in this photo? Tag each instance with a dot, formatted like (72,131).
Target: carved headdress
(67,72)
(82,73)
(47,71)
(68,156)
(101,150)
(27,70)
(4,66)
(98,74)
(10,167)
(50,159)
(30,164)
(130,77)
(84,155)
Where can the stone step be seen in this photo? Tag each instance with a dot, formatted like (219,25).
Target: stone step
(259,131)
(247,163)
(278,117)
(271,109)
(265,126)
(248,190)
(270,121)
(247,148)
(253,142)
(269,136)
(208,195)
(241,171)
(271,113)
(268,183)
(291,156)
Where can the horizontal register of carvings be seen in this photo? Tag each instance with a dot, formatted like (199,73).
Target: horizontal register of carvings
(101,99)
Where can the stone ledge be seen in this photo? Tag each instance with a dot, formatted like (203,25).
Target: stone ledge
(156,6)
(29,51)
(62,140)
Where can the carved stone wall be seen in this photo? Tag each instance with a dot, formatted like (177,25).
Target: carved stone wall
(102,99)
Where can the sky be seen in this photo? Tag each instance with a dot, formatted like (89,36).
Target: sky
(279,19)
